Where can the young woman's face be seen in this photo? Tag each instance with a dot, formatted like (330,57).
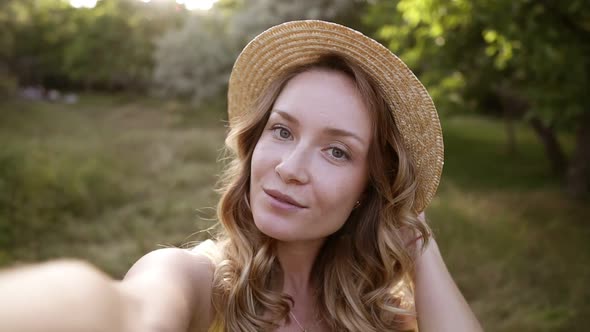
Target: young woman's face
(309,166)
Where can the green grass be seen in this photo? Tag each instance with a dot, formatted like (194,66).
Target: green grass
(106,180)
(517,246)
(112,177)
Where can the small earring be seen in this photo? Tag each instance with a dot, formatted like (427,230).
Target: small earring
(357,204)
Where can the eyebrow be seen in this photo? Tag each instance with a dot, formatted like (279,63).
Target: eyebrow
(330,130)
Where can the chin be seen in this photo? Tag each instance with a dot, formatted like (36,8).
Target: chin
(287,230)
(277,229)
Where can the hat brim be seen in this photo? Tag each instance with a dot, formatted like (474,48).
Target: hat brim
(298,43)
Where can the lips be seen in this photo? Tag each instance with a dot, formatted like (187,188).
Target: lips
(283,197)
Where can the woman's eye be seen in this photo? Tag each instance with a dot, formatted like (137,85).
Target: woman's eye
(339,154)
(281,132)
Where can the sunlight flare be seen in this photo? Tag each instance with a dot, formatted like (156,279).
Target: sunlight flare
(203,5)
(83,3)
(197,4)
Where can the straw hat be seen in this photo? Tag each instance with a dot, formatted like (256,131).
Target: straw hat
(300,42)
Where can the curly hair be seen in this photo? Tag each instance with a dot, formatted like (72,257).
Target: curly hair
(362,275)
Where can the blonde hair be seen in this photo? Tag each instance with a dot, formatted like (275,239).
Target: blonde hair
(361,275)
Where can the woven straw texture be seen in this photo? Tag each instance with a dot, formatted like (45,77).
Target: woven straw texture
(300,42)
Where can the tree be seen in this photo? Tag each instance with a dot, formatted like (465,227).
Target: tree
(185,67)
(529,57)
(33,34)
(114,42)
(50,43)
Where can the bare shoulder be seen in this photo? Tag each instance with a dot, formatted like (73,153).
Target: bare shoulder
(172,289)
(192,264)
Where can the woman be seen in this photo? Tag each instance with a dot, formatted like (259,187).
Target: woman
(336,151)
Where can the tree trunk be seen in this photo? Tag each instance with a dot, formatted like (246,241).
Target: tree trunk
(513,106)
(578,174)
(510,134)
(552,147)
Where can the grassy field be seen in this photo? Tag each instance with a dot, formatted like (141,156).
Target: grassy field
(111,178)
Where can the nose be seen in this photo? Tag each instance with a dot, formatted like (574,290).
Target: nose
(293,167)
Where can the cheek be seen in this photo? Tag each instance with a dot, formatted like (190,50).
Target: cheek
(262,160)
(337,193)
(339,185)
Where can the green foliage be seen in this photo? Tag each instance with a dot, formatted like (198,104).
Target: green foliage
(535,49)
(185,68)
(110,46)
(32,36)
(114,43)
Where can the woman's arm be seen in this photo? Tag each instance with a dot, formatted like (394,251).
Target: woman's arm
(166,290)
(61,296)
(439,303)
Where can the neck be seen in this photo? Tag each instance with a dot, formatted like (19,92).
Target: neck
(297,260)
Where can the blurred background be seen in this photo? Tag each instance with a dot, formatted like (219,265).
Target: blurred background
(112,118)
